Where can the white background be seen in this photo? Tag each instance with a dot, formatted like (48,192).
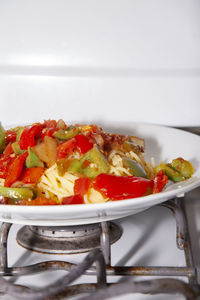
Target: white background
(133,60)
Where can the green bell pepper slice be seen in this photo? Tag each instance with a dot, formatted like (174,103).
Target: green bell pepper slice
(172,174)
(66,134)
(33,160)
(18,193)
(184,167)
(19,131)
(16,148)
(75,167)
(96,164)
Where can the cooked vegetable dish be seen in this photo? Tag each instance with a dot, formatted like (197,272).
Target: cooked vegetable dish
(53,163)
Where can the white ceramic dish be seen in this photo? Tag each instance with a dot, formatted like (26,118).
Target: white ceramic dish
(162,143)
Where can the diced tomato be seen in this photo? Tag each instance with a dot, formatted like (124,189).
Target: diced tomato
(81,185)
(31,175)
(5,162)
(8,150)
(66,148)
(83,144)
(122,187)
(28,136)
(76,199)
(15,169)
(159,182)
(11,136)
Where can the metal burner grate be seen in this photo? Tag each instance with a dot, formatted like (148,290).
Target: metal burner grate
(65,240)
(103,269)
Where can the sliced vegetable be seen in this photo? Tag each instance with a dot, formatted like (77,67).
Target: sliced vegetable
(83,144)
(81,185)
(16,148)
(66,148)
(159,182)
(66,134)
(75,166)
(15,169)
(51,149)
(11,136)
(8,150)
(171,173)
(33,160)
(2,138)
(184,167)
(17,193)
(48,132)
(31,175)
(122,187)
(76,199)
(27,138)
(5,162)
(98,163)
(61,166)
(40,151)
(133,167)
(19,131)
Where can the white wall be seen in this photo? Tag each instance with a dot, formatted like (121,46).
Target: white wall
(136,60)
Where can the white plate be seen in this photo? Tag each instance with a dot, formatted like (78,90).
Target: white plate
(162,143)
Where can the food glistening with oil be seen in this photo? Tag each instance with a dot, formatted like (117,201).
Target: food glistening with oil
(53,163)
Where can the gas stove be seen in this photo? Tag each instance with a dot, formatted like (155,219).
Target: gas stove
(151,255)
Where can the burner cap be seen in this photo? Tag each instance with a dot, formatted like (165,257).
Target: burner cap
(65,240)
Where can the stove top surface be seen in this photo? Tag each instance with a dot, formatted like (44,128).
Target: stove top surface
(148,239)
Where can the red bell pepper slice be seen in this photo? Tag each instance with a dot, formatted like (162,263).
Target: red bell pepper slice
(66,148)
(8,150)
(15,169)
(122,187)
(159,182)
(76,199)
(81,185)
(11,136)
(5,162)
(83,144)
(31,175)
(28,136)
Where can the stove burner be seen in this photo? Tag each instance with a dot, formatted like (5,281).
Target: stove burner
(65,240)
